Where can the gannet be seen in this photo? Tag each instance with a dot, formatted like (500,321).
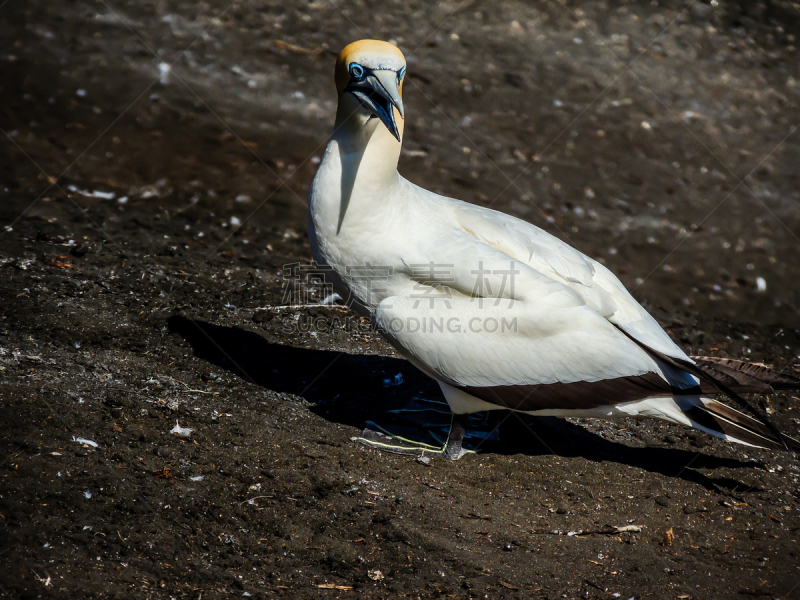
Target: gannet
(500,313)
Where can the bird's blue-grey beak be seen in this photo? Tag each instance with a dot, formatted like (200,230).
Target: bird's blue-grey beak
(379,92)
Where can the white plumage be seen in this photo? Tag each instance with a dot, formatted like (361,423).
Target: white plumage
(499,312)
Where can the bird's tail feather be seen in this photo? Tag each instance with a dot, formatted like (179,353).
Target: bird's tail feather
(723,421)
(718,386)
(721,387)
(743,377)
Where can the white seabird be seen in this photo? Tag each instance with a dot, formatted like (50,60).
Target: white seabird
(500,313)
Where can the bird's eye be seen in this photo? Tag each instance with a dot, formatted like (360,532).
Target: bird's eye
(356,71)
(400,74)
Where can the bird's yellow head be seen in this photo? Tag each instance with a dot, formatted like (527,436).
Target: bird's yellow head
(372,71)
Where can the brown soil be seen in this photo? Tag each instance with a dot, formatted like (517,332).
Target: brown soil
(652,136)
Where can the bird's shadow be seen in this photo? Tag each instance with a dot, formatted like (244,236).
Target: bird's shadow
(352,389)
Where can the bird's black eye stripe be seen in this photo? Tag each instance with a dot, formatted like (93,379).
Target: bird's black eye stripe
(356,71)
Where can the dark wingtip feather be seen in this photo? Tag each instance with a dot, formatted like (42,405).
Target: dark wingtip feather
(691,367)
(702,375)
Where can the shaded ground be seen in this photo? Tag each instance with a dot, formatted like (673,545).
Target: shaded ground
(148,213)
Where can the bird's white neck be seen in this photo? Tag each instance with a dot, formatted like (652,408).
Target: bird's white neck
(357,172)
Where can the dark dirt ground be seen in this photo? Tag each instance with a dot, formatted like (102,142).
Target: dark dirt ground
(146,217)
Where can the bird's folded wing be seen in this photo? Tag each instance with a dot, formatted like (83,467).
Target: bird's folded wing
(598,286)
(575,357)
(632,318)
(525,242)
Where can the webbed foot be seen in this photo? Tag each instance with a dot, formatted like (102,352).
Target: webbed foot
(452,449)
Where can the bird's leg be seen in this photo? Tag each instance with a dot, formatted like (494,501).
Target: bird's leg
(458,427)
